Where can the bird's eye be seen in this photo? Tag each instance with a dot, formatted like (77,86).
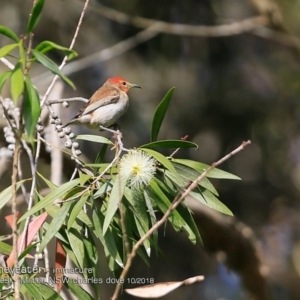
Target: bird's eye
(124,83)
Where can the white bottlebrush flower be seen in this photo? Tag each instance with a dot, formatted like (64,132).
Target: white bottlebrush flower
(137,167)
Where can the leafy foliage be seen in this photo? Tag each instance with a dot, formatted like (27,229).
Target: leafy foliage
(94,206)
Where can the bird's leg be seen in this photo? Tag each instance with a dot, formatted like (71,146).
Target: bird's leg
(117,136)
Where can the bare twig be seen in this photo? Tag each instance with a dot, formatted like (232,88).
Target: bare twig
(234,28)
(178,199)
(73,99)
(66,57)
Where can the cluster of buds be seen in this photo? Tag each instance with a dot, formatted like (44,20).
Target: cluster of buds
(12,112)
(65,132)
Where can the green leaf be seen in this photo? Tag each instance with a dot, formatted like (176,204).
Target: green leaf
(175,217)
(35,15)
(209,199)
(93,138)
(9,33)
(136,199)
(162,159)
(108,241)
(5,248)
(46,291)
(32,109)
(51,65)
(77,290)
(170,144)
(6,194)
(160,114)
(54,195)
(191,174)
(3,78)
(200,167)
(32,289)
(92,260)
(16,82)
(47,46)
(49,183)
(7,48)
(113,202)
(55,225)
(76,243)
(76,210)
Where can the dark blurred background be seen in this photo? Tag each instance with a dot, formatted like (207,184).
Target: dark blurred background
(228,89)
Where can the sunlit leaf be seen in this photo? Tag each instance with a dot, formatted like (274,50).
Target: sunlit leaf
(35,15)
(7,49)
(51,65)
(162,159)
(6,194)
(3,78)
(77,290)
(76,243)
(41,291)
(200,167)
(191,174)
(114,199)
(76,209)
(55,225)
(160,114)
(170,144)
(209,199)
(32,109)
(93,138)
(92,261)
(16,82)
(47,46)
(9,33)
(49,199)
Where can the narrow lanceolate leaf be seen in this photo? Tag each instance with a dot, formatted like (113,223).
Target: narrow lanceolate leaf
(7,49)
(76,243)
(16,83)
(115,197)
(76,210)
(209,199)
(35,15)
(55,225)
(49,199)
(41,291)
(170,144)
(77,290)
(6,194)
(93,138)
(47,46)
(3,78)
(160,114)
(9,33)
(32,109)
(51,65)
(162,159)
(200,167)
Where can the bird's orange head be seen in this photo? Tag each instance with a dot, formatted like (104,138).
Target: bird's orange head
(122,83)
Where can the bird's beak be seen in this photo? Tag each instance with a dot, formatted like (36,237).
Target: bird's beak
(133,85)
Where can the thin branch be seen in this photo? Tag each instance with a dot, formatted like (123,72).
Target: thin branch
(73,99)
(178,199)
(66,57)
(103,55)
(234,28)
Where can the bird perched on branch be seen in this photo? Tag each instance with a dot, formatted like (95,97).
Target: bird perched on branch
(106,105)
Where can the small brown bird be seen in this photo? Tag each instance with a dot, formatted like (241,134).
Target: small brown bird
(106,105)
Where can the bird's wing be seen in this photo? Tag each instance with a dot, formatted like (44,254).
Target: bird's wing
(107,96)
